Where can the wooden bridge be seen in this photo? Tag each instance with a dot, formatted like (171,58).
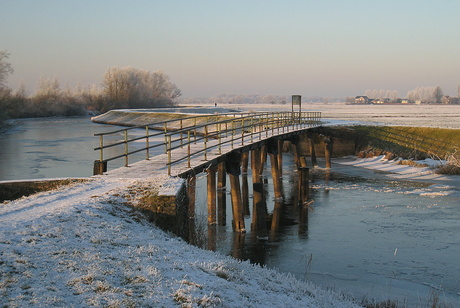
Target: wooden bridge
(219,144)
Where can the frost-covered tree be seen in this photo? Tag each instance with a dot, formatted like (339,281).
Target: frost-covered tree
(5,67)
(48,89)
(437,94)
(376,94)
(129,87)
(426,94)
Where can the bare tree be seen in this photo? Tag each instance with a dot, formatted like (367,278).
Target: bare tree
(437,94)
(48,89)
(426,94)
(5,67)
(133,88)
(376,94)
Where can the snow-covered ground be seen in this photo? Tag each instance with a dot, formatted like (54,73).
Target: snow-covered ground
(443,116)
(82,246)
(391,168)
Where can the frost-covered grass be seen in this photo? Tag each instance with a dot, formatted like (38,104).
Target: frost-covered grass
(82,246)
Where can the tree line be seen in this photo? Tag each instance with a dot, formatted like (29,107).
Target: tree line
(425,94)
(125,87)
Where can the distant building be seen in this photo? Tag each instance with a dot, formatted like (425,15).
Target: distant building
(381,101)
(361,100)
(450,100)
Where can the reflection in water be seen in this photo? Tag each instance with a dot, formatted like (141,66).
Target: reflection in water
(368,237)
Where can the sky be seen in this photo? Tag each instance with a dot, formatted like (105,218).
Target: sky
(330,48)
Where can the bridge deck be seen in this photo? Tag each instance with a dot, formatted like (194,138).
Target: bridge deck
(158,164)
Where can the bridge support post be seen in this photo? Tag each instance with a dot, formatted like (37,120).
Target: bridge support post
(244,184)
(328,144)
(221,194)
(99,167)
(295,150)
(303,175)
(276,217)
(244,162)
(303,220)
(245,194)
(280,156)
(312,150)
(259,210)
(211,183)
(212,238)
(263,158)
(276,174)
(234,171)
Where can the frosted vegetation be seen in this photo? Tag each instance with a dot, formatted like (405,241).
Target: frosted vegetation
(129,87)
(126,87)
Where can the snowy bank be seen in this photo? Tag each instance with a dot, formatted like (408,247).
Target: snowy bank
(139,117)
(82,246)
(391,169)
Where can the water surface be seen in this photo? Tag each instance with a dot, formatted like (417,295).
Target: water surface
(368,237)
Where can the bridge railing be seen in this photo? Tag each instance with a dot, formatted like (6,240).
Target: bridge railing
(182,135)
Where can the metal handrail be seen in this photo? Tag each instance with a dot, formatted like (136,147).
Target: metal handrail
(237,126)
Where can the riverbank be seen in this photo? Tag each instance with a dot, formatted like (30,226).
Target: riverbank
(381,167)
(82,246)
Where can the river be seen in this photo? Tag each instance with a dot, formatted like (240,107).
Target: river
(370,237)
(365,235)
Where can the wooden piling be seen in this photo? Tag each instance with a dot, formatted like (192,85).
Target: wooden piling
(280,143)
(328,144)
(244,162)
(303,220)
(303,182)
(245,194)
(312,150)
(234,170)
(263,159)
(273,152)
(211,187)
(221,194)
(276,217)
(99,167)
(237,204)
(259,210)
(276,177)
(212,238)
(295,152)
(238,245)
(304,185)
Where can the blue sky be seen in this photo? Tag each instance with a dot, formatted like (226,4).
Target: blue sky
(333,48)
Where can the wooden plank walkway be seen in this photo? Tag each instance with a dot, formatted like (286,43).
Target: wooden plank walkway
(196,163)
